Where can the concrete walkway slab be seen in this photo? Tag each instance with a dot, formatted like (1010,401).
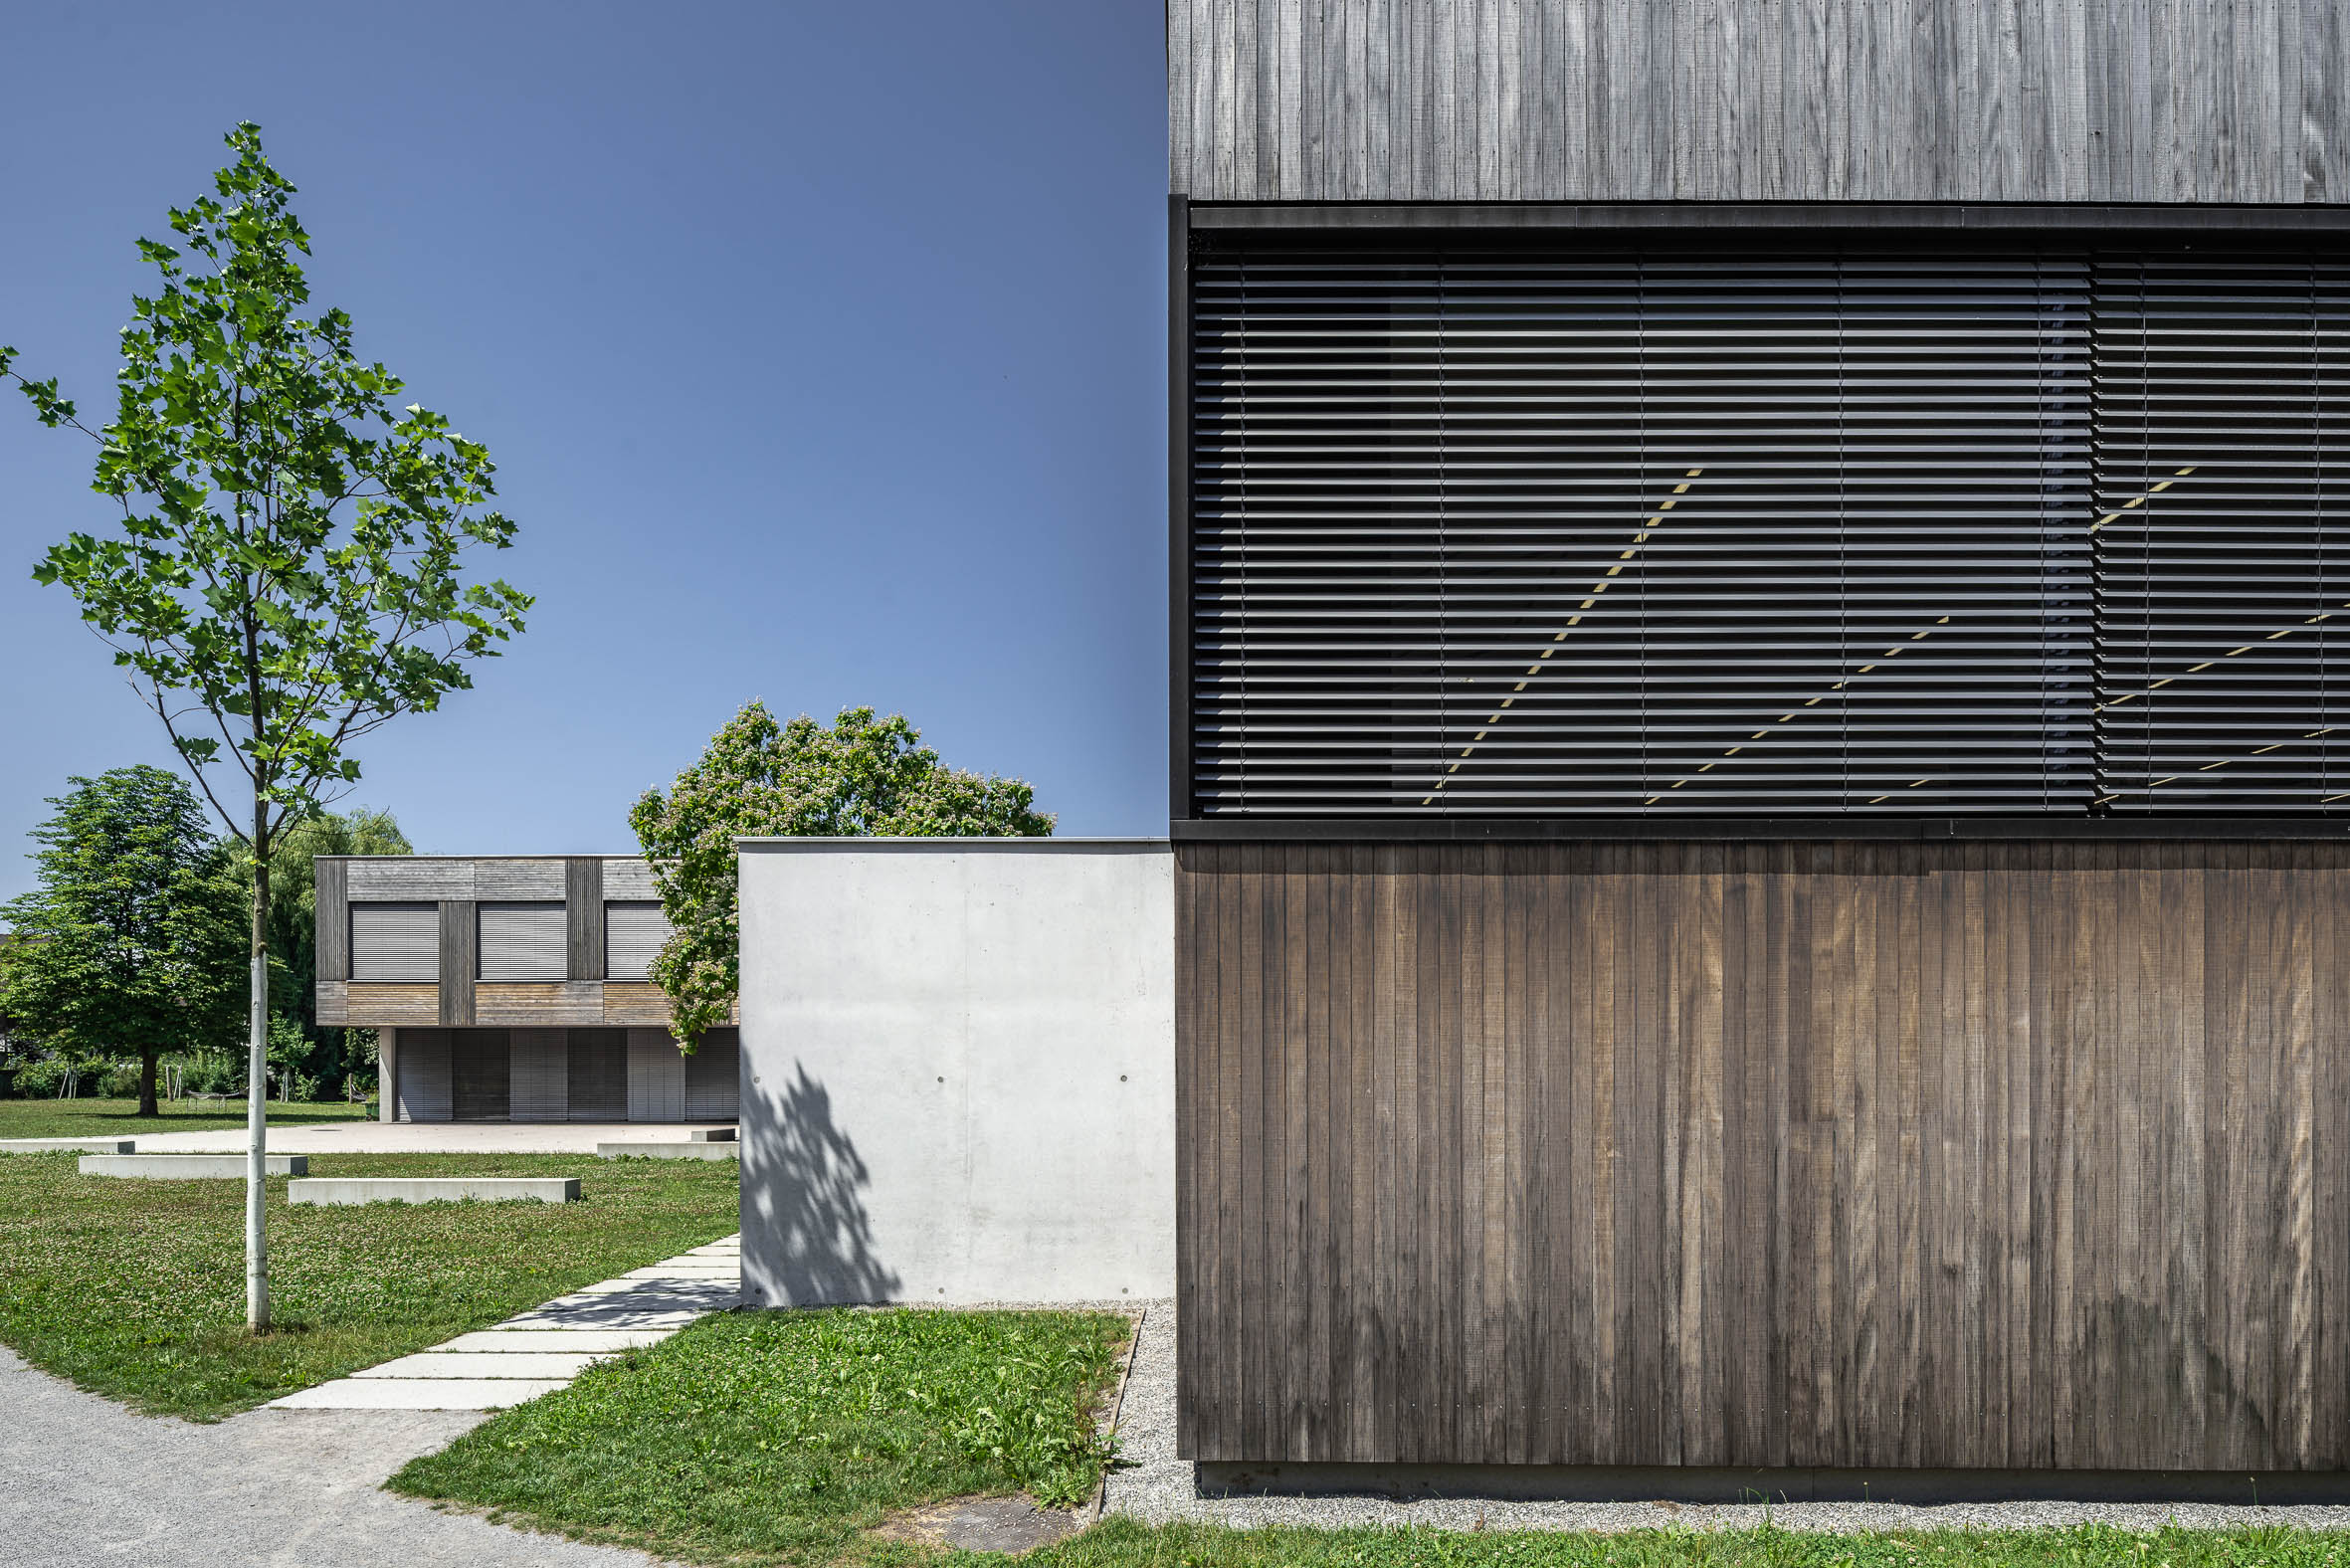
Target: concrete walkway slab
(69,1145)
(538,1351)
(584,1341)
(562,1366)
(422,1392)
(89,1483)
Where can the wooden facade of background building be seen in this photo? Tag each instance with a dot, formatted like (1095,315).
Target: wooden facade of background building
(2006,1155)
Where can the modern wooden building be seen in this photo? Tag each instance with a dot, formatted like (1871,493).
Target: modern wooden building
(1761,807)
(513,988)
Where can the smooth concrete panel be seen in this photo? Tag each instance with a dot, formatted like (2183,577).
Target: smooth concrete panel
(190,1167)
(434,1189)
(959,1071)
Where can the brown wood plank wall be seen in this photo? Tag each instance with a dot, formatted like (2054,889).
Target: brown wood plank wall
(2001,1155)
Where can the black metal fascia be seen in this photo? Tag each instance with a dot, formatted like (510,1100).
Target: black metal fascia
(1179,562)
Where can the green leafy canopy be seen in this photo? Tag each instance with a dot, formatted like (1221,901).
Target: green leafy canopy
(862,777)
(286,576)
(132,940)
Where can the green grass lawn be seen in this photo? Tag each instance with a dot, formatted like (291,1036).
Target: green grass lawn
(119,1118)
(135,1290)
(783,1436)
(1119,1543)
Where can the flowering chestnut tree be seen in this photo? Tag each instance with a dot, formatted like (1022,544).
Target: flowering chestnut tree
(861,777)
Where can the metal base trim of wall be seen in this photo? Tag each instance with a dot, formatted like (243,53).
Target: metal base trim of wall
(1705,1484)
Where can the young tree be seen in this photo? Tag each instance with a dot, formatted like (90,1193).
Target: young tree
(130,944)
(286,573)
(864,777)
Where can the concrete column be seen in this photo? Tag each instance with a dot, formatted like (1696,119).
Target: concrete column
(387,1077)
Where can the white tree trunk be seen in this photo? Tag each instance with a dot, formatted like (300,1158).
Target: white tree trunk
(257,1127)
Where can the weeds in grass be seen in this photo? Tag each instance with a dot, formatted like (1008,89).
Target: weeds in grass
(784,1436)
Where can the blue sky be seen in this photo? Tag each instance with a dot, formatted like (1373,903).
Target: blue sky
(821,349)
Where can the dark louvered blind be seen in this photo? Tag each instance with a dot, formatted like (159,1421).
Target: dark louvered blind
(2222,405)
(1512,534)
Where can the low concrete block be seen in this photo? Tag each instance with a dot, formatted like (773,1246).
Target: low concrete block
(67,1145)
(434,1189)
(669,1151)
(189,1167)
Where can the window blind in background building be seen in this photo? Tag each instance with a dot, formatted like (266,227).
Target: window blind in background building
(522,941)
(539,1075)
(599,1076)
(395,941)
(1523,532)
(2222,404)
(633,933)
(713,1076)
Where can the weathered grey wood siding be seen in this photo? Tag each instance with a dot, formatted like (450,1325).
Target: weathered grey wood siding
(1986,1155)
(452,891)
(1946,101)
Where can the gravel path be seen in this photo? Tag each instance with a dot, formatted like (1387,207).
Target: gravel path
(84,1480)
(1157,1487)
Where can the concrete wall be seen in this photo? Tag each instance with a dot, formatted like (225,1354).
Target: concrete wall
(958,1069)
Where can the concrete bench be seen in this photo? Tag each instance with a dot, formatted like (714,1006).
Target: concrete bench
(669,1151)
(434,1189)
(189,1167)
(67,1145)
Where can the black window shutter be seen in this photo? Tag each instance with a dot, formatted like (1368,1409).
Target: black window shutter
(1653,532)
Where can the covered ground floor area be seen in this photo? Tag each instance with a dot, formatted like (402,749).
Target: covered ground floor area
(558,1076)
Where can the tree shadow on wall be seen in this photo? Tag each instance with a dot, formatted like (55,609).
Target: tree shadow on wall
(804,1179)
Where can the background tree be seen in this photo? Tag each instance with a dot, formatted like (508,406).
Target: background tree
(864,777)
(327,1053)
(285,575)
(128,944)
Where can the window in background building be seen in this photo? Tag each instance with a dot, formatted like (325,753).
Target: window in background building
(633,933)
(395,941)
(522,941)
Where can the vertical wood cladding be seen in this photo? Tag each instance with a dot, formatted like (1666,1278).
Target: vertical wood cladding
(583,905)
(2005,1155)
(332,941)
(459,960)
(2033,100)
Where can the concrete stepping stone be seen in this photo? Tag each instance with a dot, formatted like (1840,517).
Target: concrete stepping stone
(538,1351)
(588,1341)
(480,1363)
(69,1146)
(416,1393)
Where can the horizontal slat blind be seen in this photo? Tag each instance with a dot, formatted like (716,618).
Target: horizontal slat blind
(2221,421)
(1519,533)
(395,941)
(712,1076)
(523,941)
(633,934)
